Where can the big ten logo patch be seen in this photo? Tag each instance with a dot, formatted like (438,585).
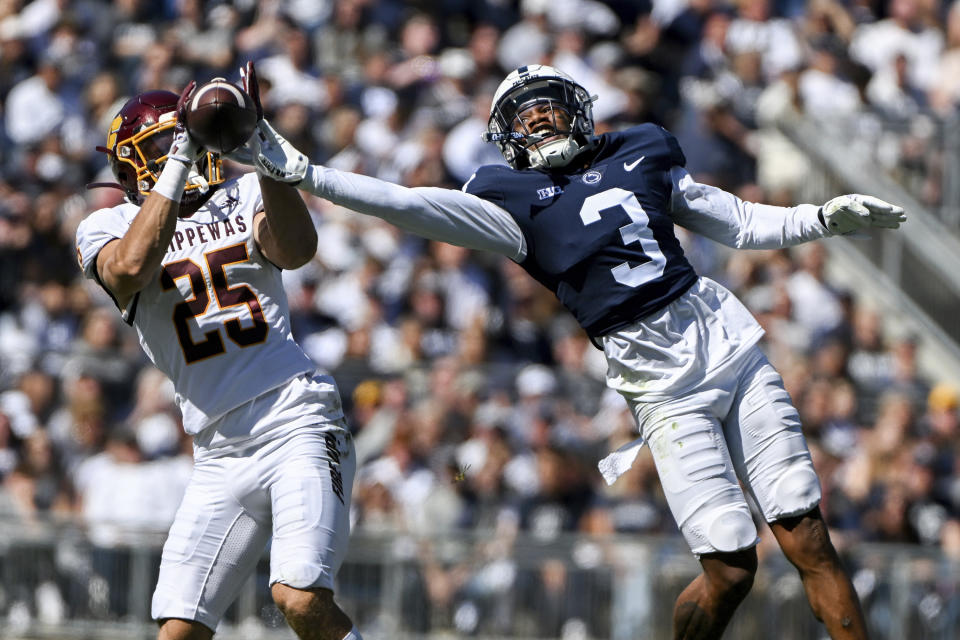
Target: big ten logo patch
(549,192)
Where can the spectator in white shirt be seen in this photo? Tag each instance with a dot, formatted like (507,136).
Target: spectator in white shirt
(815,304)
(34,107)
(754,30)
(878,44)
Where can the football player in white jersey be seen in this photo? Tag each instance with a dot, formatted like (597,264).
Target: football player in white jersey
(193,262)
(591,217)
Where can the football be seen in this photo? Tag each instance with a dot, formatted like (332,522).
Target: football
(221,116)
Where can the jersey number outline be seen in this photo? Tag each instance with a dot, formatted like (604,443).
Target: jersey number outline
(637,231)
(227,296)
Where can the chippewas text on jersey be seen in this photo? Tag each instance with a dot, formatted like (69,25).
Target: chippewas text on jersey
(204,233)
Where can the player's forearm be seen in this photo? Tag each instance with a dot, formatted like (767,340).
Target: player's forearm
(361,193)
(294,238)
(140,251)
(435,213)
(771,227)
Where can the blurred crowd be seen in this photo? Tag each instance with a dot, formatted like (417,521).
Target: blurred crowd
(475,400)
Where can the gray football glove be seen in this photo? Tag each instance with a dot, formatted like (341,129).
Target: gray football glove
(852,212)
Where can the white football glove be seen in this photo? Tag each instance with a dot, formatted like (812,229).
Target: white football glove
(274,156)
(849,213)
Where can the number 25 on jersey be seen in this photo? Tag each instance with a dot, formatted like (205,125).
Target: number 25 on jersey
(227,296)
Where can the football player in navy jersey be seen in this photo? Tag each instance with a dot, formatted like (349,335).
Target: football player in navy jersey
(592,218)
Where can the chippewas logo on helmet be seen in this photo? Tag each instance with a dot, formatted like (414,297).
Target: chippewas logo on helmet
(114,130)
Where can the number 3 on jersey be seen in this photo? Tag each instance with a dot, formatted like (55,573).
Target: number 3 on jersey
(637,231)
(227,296)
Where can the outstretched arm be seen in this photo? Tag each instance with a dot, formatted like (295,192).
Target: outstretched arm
(438,214)
(724,217)
(284,230)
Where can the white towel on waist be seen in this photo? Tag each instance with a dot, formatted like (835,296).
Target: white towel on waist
(619,462)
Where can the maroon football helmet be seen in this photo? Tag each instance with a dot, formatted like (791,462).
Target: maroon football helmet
(137,143)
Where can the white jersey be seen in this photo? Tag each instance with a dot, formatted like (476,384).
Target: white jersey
(215,319)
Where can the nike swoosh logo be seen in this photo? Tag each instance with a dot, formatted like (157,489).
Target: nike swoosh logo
(632,165)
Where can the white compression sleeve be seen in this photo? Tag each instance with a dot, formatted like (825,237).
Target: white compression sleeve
(432,212)
(724,217)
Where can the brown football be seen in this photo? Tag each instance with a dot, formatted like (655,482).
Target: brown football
(221,116)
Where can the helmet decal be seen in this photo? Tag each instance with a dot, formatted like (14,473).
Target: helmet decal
(114,128)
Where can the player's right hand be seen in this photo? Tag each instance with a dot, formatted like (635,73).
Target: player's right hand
(183,148)
(852,212)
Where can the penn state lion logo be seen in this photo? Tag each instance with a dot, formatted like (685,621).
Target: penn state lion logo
(592,177)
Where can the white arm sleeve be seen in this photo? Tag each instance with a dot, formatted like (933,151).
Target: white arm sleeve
(438,214)
(724,217)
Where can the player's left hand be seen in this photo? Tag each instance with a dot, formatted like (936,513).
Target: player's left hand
(852,212)
(248,81)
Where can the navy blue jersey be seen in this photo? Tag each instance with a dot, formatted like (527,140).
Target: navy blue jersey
(600,236)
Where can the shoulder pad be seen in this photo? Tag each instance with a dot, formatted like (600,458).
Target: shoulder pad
(486,182)
(649,133)
(99,228)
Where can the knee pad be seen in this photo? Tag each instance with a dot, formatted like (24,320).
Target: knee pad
(796,491)
(730,529)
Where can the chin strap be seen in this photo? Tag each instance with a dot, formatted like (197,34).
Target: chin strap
(194,179)
(113,185)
